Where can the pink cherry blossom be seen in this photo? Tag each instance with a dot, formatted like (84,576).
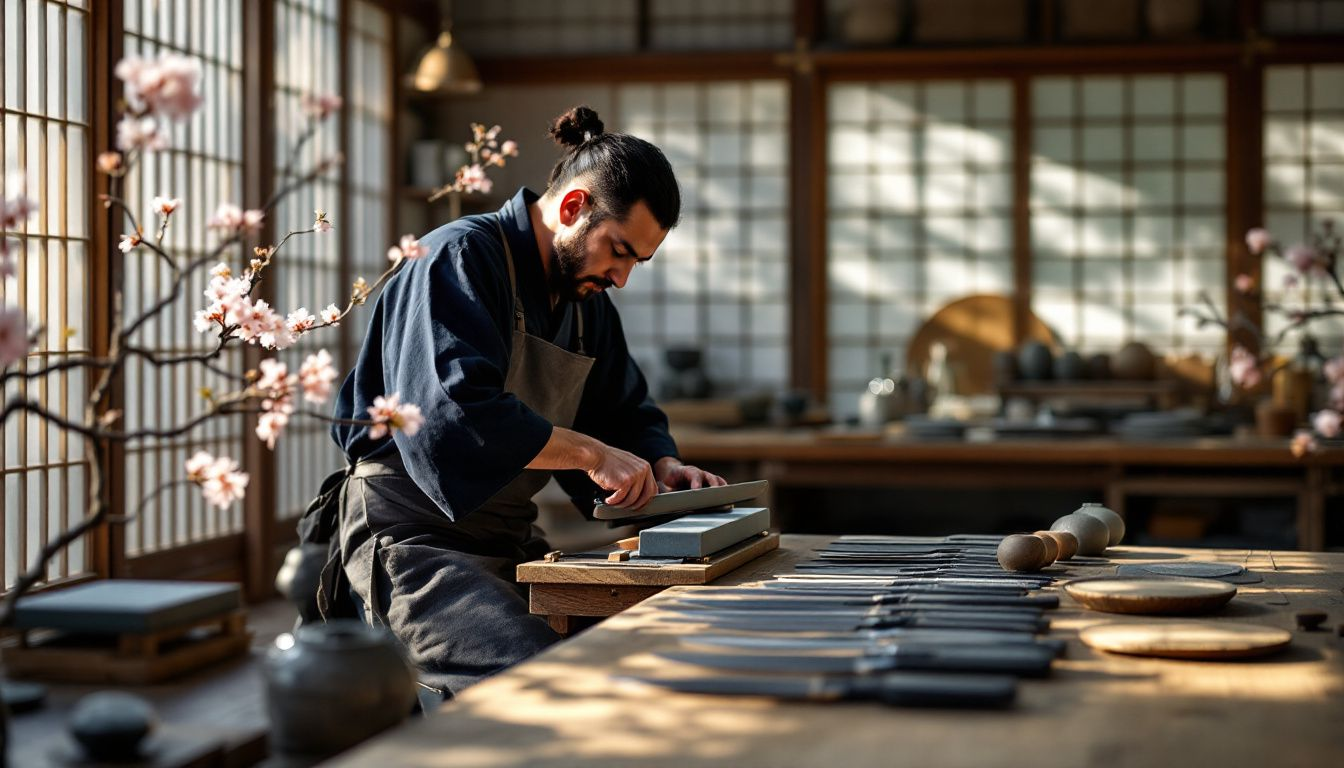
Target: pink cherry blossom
(270,426)
(166,85)
(409,249)
(320,105)
(316,376)
(1334,370)
(300,320)
(1304,259)
(164,206)
(14,339)
(128,243)
(198,466)
(331,315)
(8,267)
(1244,368)
(109,162)
(223,483)
(275,381)
(320,222)
(472,178)
(229,219)
(1303,443)
(389,415)
(1327,422)
(509,148)
(1244,284)
(16,210)
(1337,396)
(1258,240)
(140,133)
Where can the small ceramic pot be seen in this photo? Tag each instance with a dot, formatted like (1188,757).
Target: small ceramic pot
(337,685)
(1114,522)
(1099,367)
(1034,361)
(1134,362)
(1070,366)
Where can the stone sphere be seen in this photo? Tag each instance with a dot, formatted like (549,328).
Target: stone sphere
(1051,548)
(1092,534)
(1067,543)
(1114,522)
(110,725)
(1021,552)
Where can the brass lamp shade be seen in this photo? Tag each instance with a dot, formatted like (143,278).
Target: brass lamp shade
(444,68)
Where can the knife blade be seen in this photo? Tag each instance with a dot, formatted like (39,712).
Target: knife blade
(859,643)
(755,598)
(796,623)
(744,608)
(906,689)
(1021,660)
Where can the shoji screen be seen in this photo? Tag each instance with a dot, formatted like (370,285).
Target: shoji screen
(1127,200)
(44,131)
(920,213)
(720,281)
(308,56)
(203,167)
(1304,177)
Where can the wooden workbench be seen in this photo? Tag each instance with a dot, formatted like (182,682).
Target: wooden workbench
(563,708)
(1117,470)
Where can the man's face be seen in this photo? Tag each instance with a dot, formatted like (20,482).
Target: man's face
(590,257)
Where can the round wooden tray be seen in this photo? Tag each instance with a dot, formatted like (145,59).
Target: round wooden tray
(1151,596)
(1188,640)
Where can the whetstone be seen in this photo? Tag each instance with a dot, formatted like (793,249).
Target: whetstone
(701,535)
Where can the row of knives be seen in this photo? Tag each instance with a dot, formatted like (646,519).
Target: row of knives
(904,620)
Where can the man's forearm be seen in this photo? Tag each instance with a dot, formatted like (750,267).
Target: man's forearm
(568,449)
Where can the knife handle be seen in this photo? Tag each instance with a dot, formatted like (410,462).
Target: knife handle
(977,691)
(1020,661)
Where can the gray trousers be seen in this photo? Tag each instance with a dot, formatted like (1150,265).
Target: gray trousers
(445,589)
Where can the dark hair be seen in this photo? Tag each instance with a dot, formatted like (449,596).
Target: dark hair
(620,169)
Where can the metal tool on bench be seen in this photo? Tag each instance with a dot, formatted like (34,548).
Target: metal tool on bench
(906,689)
(711,499)
(882,587)
(872,642)
(794,621)
(753,599)
(1020,660)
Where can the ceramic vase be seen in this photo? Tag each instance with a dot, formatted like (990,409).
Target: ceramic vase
(338,684)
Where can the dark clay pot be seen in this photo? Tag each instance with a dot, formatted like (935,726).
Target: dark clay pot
(1070,367)
(110,725)
(340,683)
(1034,361)
(1005,368)
(1099,367)
(1134,362)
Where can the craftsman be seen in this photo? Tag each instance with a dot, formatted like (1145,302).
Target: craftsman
(502,334)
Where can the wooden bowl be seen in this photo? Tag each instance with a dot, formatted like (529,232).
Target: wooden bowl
(1152,595)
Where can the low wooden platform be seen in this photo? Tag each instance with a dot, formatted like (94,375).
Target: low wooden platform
(595,587)
(128,658)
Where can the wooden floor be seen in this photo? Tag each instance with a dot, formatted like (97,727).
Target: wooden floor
(225,702)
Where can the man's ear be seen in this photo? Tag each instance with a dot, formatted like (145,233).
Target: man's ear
(573,206)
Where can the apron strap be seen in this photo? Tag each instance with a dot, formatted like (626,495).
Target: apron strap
(513,278)
(518,318)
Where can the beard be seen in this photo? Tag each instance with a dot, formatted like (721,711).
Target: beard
(567,263)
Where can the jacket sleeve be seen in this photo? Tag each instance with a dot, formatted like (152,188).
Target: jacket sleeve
(447,341)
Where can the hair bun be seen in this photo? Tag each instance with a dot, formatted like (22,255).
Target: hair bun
(575,127)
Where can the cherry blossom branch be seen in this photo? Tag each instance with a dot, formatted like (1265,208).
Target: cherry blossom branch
(63,365)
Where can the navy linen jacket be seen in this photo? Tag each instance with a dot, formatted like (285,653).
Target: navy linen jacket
(439,336)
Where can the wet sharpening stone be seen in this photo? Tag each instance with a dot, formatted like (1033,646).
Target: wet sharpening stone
(126,605)
(701,535)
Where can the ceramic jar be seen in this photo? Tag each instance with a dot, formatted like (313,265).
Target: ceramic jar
(1034,361)
(336,685)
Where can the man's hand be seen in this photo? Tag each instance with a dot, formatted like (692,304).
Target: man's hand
(672,475)
(628,477)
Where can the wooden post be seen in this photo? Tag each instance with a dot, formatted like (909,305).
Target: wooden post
(258,184)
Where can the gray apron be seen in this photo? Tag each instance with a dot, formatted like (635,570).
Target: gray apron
(446,588)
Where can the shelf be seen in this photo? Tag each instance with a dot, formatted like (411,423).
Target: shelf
(1090,388)
(909,61)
